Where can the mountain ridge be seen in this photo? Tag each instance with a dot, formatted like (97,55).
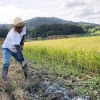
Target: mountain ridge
(37,21)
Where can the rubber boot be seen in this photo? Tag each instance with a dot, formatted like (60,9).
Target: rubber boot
(25,70)
(4,73)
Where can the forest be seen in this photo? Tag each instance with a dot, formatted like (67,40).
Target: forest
(46,30)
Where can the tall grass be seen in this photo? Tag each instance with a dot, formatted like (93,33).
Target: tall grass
(81,53)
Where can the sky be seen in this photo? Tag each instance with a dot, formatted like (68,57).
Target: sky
(70,10)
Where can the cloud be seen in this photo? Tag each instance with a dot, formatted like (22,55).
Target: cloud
(74,10)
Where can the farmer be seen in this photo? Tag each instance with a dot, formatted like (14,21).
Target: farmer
(12,46)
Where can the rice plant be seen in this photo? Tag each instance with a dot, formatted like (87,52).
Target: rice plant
(81,53)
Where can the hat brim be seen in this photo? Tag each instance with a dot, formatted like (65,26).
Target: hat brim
(19,24)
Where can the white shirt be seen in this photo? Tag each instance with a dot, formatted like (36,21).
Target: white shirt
(13,38)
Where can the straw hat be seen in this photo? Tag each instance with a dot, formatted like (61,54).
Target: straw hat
(18,22)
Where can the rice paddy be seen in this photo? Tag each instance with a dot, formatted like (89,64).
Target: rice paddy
(80,54)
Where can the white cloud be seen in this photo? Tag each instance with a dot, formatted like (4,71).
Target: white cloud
(74,10)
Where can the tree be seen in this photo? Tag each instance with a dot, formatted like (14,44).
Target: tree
(56,29)
(3,33)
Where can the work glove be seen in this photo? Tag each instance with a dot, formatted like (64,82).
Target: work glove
(24,63)
(25,68)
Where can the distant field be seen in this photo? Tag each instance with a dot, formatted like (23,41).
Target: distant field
(81,53)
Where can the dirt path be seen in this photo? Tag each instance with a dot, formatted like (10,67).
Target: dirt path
(15,81)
